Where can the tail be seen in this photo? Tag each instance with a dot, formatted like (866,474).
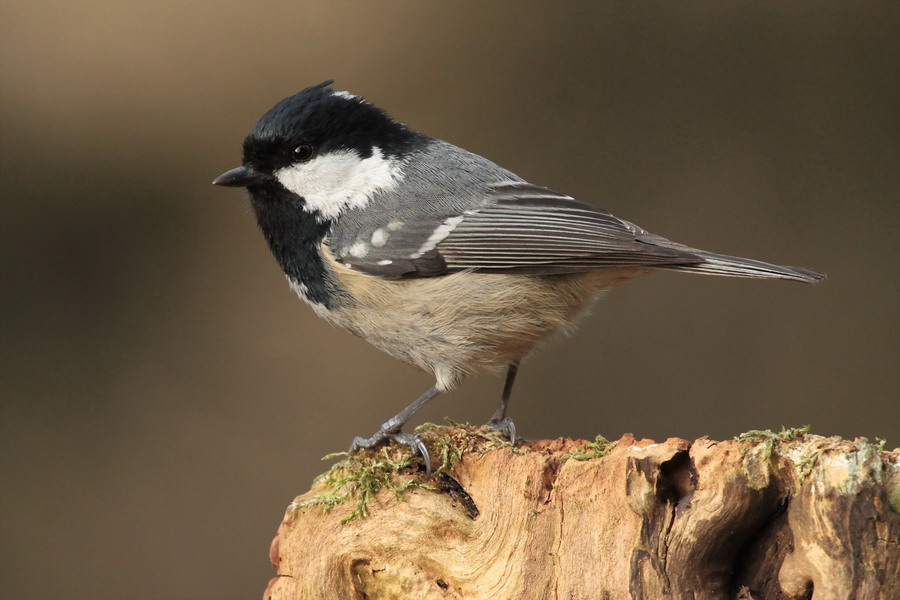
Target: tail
(733,266)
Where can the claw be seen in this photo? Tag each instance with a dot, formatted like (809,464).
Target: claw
(418,447)
(415,443)
(505,427)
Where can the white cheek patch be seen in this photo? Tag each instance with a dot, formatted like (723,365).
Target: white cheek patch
(338,181)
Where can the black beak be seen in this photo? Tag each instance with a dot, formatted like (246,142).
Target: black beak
(240,177)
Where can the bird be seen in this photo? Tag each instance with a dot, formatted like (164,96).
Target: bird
(433,254)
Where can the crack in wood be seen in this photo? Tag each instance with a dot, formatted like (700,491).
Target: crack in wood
(455,490)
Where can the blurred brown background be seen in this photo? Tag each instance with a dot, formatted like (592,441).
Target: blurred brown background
(164,395)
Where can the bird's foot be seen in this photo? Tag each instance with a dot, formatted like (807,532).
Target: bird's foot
(505,427)
(384,436)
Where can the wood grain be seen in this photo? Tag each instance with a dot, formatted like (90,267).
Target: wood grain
(766,517)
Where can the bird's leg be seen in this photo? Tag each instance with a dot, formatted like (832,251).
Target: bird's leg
(500,422)
(390,431)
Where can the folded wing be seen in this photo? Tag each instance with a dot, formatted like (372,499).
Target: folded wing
(522,228)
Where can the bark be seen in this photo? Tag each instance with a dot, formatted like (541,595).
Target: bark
(770,516)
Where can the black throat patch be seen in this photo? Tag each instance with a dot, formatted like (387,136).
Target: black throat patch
(294,237)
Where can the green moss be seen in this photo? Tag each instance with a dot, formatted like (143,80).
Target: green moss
(599,448)
(360,476)
(449,443)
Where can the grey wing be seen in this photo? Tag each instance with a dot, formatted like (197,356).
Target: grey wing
(521,228)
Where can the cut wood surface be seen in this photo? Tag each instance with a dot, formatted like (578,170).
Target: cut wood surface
(768,516)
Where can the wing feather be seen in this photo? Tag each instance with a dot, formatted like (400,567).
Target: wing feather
(522,228)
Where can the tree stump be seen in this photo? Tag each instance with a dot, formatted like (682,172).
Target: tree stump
(766,516)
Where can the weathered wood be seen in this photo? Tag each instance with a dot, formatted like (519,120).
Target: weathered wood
(772,516)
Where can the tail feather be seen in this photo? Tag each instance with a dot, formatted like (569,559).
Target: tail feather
(733,266)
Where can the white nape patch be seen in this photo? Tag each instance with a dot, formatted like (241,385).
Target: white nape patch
(301,290)
(438,235)
(338,181)
(359,249)
(347,95)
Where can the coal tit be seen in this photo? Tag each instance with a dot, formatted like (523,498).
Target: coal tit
(435,255)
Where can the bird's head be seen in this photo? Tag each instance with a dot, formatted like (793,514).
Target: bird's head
(332,149)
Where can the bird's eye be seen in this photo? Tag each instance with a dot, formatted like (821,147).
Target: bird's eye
(303,152)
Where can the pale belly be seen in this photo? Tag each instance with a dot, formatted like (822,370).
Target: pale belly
(463,323)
